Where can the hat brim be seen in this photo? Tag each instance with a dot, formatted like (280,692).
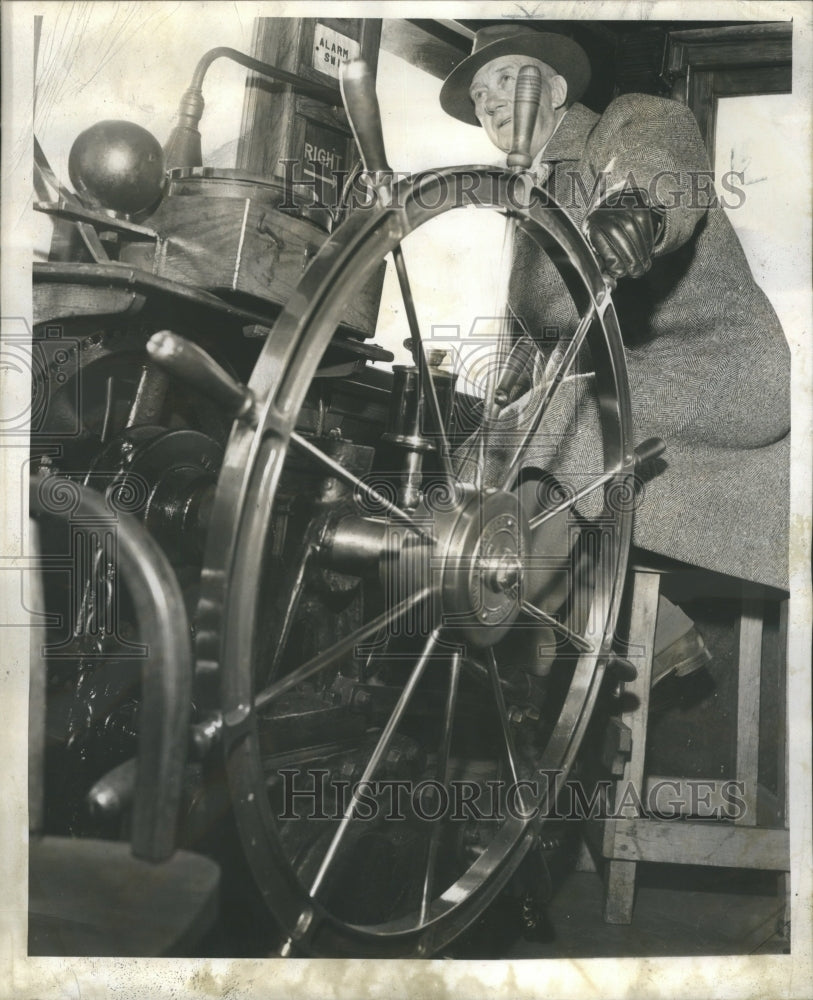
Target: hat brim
(562,54)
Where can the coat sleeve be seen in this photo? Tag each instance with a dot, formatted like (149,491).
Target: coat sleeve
(654,143)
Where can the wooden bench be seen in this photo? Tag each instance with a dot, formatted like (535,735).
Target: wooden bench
(746,829)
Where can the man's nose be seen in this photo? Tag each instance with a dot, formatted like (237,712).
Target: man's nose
(494,101)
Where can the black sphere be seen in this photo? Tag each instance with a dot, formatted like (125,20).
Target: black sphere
(118,164)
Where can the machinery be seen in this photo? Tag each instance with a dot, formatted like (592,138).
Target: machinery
(296,600)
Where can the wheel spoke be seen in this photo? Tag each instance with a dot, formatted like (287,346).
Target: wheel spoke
(545,619)
(503,283)
(502,712)
(442,771)
(338,470)
(503,340)
(419,354)
(109,406)
(376,651)
(516,363)
(296,587)
(568,502)
(342,648)
(375,759)
(480,672)
(480,464)
(568,356)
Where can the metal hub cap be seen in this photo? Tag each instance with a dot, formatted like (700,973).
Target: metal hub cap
(482,567)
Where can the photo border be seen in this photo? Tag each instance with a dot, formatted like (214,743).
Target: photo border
(26,978)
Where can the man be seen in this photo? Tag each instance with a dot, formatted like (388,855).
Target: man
(707,360)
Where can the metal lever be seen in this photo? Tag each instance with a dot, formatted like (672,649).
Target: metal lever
(361,103)
(622,669)
(647,450)
(515,365)
(527,96)
(191,364)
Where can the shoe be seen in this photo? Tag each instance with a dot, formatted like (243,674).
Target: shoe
(685,655)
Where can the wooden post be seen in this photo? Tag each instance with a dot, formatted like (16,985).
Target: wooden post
(748,683)
(619,875)
(279,124)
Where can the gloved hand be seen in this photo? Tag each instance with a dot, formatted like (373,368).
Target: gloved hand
(623,231)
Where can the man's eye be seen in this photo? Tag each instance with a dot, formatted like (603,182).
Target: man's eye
(506,78)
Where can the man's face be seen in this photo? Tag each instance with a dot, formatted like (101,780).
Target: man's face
(492,91)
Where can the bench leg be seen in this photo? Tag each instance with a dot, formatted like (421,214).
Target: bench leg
(619,877)
(619,891)
(748,685)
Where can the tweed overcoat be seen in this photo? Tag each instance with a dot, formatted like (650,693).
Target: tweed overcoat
(708,363)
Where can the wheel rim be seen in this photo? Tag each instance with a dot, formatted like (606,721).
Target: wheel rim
(226,638)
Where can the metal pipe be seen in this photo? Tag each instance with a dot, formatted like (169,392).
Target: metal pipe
(316,90)
(183,147)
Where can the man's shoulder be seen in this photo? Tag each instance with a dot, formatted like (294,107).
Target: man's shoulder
(628,119)
(642,107)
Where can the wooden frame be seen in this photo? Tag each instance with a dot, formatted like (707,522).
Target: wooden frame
(277,123)
(705,64)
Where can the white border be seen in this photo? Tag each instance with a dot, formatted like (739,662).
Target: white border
(730,977)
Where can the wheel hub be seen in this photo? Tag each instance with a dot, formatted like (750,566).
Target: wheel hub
(475,564)
(481,555)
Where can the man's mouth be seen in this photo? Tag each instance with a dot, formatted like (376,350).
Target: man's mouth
(502,122)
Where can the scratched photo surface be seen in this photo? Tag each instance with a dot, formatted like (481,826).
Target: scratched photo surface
(406,446)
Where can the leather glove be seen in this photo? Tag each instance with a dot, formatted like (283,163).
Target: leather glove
(623,231)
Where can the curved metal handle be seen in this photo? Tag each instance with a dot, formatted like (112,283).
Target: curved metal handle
(166,672)
(527,96)
(361,104)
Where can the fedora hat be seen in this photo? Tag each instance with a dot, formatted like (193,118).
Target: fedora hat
(559,52)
